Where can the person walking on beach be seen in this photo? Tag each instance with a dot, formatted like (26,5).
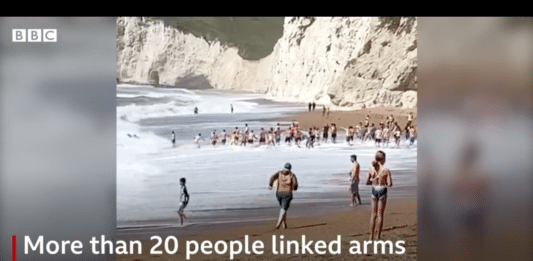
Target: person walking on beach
(173,138)
(184,200)
(354,180)
(380,178)
(195,110)
(285,182)
(310,107)
(314,105)
(231,107)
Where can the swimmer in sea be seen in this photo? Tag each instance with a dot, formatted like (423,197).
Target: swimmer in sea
(380,178)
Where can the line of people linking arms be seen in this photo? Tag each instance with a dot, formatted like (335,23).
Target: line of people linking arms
(387,131)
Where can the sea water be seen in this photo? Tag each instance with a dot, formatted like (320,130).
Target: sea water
(227,181)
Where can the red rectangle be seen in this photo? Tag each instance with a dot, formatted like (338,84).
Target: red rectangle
(14,247)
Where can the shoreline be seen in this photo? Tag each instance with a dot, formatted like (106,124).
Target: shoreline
(351,224)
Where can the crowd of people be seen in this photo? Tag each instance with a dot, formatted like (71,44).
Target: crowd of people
(388,131)
(379,177)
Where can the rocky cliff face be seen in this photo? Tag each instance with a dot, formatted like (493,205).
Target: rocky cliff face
(339,61)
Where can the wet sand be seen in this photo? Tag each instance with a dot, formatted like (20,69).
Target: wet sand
(353,117)
(352,224)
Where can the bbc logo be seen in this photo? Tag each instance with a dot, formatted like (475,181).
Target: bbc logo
(34,35)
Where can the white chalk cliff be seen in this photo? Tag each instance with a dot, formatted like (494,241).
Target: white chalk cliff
(341,61)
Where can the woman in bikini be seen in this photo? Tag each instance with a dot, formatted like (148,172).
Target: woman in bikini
(380,178)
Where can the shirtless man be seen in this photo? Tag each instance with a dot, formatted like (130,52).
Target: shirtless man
(311,139)
(410,119)
(354,180)
(262,137)
(277,134)
(412,135)
(290,136)
(197,139)
(349,135)
(377,136)
(251,137)
(285,183)
(357,130)
(385,135)
(370,132)
(333,132)
(224,136)
(213,138)
(297,136)
(270,137)
(397,135)
(380,178)
(325,133)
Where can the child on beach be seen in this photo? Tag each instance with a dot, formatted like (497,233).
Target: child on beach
(285,182)
(184,200)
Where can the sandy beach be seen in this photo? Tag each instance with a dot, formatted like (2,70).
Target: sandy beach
(352,224)
(353,117)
